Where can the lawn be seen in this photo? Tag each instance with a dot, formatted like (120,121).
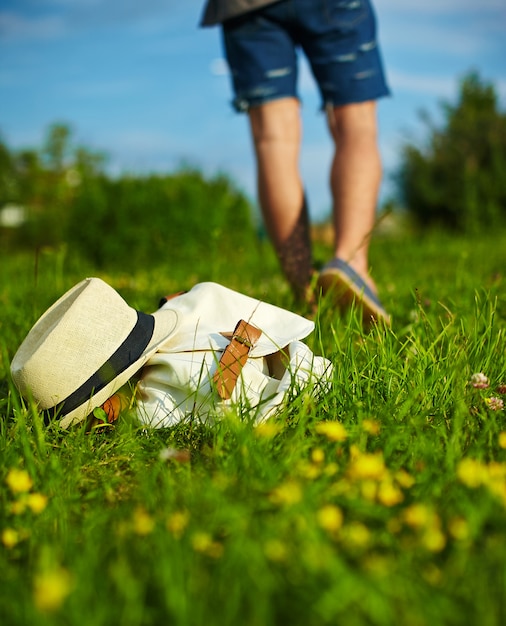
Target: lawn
(379,503)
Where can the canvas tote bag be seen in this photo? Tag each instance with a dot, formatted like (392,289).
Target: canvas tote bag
(179,381)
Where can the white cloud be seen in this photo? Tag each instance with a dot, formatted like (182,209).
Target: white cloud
(219,67)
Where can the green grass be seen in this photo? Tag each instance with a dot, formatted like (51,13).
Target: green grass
(402,522)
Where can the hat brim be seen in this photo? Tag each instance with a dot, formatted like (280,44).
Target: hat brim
(166,321)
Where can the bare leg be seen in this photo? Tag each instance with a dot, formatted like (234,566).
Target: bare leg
(276,131)
(355,179)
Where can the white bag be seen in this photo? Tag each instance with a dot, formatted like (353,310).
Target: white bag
(177,381)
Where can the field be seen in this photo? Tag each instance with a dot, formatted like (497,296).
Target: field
(381,503)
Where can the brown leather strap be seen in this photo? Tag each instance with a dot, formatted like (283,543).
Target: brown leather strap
(234,358)
(169,297)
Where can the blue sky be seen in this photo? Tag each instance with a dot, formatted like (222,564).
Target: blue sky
(141,81)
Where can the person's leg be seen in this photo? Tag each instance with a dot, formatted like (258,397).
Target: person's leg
(355,180)
(276,133)
(341,45)
(261,52)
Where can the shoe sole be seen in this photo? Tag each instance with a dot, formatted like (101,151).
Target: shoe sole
(344,291)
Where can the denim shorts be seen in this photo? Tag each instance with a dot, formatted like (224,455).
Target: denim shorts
(338,37)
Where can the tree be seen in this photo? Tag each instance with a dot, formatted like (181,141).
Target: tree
(8,186)
(45,182)
(56,150)
(158,219)
(457,180)
(120,221)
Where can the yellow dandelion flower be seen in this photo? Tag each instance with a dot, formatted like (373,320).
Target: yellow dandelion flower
(19,480)
(424,518)
(287,494)
(10,537)
(267,429)
(331,469)
(371,427)
(203,542)
(389,494)
(367,466)
(51,588)
(369,490)
(216,550)
(434,539)
(36,502)
(342,488)
(354,451)
(143,522)
(334,431)
(404,479)
(498,488)
(177,523)
(458,528)
(496,471)
(317,455)
(330,518)
(418,515)
(18,506)
(275,550)
(356,534)
(471,472)
(502,439)
(310,471)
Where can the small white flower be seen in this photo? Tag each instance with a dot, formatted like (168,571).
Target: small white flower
(479,381)
(495,404)
(173,454)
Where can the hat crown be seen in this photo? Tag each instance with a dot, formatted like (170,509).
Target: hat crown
(71,341)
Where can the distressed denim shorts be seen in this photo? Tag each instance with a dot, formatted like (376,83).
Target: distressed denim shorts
(338,38)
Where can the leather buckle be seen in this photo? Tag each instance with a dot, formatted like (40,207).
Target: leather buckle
(234,358)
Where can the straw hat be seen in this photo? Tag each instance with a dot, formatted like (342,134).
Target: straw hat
(84,348)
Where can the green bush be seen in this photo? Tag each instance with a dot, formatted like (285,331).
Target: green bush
(122,222)
(457,180)
(157,219)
